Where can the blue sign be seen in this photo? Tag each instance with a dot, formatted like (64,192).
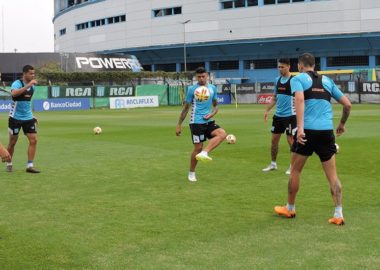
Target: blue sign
(61,104)
(5,105)
(224,99)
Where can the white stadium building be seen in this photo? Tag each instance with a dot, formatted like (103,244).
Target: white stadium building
(240,39)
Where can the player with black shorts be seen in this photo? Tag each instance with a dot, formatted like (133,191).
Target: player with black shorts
(21,117)
(202,98)
(284,119)
(313,93)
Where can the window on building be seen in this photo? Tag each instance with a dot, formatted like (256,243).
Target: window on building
(166,67)
(62,32)
(251,3)
(147,67)
(227,4)
(341,61)
(167,11)
(283,1)
(293,1)
(239,3)
(269,2)
(378,60)
(177,10)
(100,22)
(192,66)
(260,64)
(224,65)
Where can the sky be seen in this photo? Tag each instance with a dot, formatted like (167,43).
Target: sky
(26,25)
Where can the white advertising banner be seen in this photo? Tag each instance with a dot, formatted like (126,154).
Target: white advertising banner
(133,102)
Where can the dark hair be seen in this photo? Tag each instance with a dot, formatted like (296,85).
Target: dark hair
(26,68)
(284,61)
(307,59)
(200,70)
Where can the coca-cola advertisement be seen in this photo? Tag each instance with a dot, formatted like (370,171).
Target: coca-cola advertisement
(264,98)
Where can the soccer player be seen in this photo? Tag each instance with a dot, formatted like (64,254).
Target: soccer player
(202,97)
(20,116)
(315,132)
(284,119)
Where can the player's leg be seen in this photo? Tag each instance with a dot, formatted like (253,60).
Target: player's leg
(274,151)
(193,161)
(326,152)
(14,128)
(336,190)
(216,136)
(290,132)
(30,131)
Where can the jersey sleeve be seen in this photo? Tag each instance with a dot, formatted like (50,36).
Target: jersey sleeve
(190,94)
(335,91)
(296,84)
(16,85)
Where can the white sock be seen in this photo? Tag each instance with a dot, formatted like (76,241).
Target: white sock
(9,164)
(192,174)
(273,163)
(338,212)
(291,207)
(29,164)
(204,153)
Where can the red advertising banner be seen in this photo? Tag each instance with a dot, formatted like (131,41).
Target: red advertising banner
(264,98)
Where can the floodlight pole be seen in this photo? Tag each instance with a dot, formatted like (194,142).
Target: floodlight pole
(184,44)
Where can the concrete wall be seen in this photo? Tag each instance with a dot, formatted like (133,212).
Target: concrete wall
(209,23)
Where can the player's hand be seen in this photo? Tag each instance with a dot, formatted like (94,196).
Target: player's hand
(301,137)
(5,156)
(340,129)
(265,116)
(31,83)
(178,130)
(208,116)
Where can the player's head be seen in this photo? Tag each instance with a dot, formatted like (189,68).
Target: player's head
(283,65)
(306,62)
(28,73)
(202,75)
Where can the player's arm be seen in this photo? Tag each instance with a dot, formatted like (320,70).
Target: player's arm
(214,110)
(20,91)
(182,117)
(269,107)
(299,101)
(346,103)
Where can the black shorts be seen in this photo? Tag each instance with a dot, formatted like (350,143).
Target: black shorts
(202,132)
(284,124)
(322,142)
(28,126)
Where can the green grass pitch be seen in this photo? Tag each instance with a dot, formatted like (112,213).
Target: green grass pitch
(121,200)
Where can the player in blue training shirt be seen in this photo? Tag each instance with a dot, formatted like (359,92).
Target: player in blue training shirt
(315,132)
(202,97)
(21,116)
(284,119)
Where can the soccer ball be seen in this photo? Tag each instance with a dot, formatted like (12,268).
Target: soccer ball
(231,139)
(337,148)
(97,130)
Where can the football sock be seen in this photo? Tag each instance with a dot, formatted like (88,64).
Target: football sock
(291,207)
(338,212)
(273,163)
(191,174)
(9,164)
(30,164)
(204,153)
